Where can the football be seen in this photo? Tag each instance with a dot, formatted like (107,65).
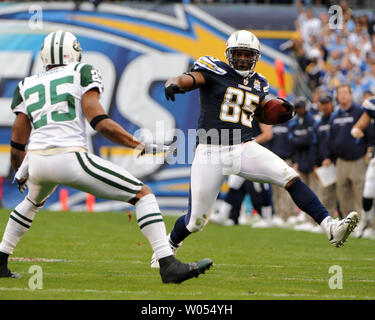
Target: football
(272,109)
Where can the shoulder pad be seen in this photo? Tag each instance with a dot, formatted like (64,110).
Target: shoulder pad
(89,76)
(208,63)
(17,98)
(264,82)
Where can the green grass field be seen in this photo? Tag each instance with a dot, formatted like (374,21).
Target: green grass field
(103,256)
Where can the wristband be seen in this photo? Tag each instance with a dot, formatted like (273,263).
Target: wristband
(97,119)
(18,146)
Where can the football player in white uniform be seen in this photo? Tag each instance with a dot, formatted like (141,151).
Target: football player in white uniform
(230,95)
(368,196)
(51,108)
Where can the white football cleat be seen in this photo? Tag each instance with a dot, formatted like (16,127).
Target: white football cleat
(218,218)
(248,219)
(155,263)
(263,223)
(369,233)
(339,230)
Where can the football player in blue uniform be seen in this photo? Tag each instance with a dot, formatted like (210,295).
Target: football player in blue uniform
(369,187)
(230,96)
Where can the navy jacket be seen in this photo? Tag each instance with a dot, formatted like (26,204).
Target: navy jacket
(341,143)
(280,143)
(321,128)
(302,140)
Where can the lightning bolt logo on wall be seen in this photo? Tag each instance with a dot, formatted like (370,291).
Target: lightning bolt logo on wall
(135,50)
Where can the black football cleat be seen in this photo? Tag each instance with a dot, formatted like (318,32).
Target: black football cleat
(174,271)
(6,273)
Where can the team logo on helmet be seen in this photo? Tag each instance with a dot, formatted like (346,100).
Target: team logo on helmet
(77,46)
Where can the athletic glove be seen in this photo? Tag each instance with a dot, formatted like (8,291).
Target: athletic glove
(22,174)
(21,185)
(289,113)
(153,148)
(171,90)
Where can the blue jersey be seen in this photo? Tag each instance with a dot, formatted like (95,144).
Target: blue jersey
(280,143)
(322,127)
(228,102)
(301,133)
(341,143)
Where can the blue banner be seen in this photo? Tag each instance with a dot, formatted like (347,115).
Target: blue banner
(136,50)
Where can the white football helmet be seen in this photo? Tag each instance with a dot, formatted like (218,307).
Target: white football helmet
(243,40)
(60,48)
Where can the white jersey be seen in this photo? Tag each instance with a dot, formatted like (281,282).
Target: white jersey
(52,102)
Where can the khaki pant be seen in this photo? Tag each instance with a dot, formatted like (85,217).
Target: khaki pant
(282,201)
(349,185)
(310,179)
(312,182)
(328,196)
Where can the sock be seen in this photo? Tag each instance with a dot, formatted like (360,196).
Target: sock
(152,225)
(3,261)
(367,203)
(225,209)
(325,224)
(19,222)
(267,212)
(180,232)
(235,197)
(307,201)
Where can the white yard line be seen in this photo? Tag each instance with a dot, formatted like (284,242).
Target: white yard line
(252,294)
(63,290)
(21,259)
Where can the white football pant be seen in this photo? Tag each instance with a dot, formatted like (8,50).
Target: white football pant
(80,170)
(212,163)
(369,187)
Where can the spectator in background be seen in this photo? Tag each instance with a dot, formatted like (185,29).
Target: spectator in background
(308,26)
(314,105)
(345,54)
(368,81)
(367,214)
(347,152)
(280,145)
(321,128)
(301,134)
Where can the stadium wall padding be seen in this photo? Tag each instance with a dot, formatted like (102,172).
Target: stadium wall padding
(136,49)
